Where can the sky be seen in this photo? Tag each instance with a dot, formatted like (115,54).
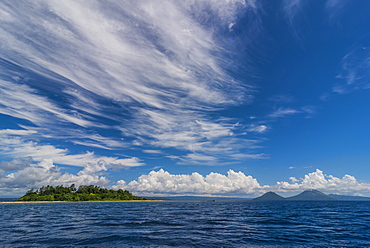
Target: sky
(195,97)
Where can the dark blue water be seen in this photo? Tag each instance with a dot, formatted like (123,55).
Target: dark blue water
(185,224)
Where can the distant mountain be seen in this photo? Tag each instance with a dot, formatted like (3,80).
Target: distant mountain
(308,195)
(311,195)
(269,196)
(349,198)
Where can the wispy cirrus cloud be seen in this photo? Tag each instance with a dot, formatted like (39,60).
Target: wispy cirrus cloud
(191,133)
(171,46)
(23,102)
(121,67)
(335,8)
(16,132)
(355,70)
(282,112)
(14,146)
(260,128)
(292,8)
(153,151)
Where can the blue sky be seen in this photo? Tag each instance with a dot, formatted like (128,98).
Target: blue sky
(194,97)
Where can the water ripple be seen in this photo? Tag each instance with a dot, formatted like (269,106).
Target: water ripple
(186,224)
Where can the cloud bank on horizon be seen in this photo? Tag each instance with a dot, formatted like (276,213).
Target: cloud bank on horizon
(105,89)
(163,183)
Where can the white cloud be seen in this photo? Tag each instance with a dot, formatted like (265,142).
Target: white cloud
(78,137)
(250,156)
(153,151)
(340,89)
(328,183)
(162,182)
(292,8)
(282,112)
(46,173)
(16,132)
(335,8)
(310,110)
(355,69)
(124,163)
(18,147)
(257,128)
(201,159)
(24,102)
(154,62)
(133,69)
(15,164)
(293,179)
(282,98)
(191,132)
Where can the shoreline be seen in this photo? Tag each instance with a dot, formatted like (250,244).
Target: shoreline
(76,201)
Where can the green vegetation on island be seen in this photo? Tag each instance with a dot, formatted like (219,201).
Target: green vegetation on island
(83,193)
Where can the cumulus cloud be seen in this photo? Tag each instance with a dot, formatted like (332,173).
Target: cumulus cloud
(34,175)
(162,182)
(46,173)
(328,183)
(16,164)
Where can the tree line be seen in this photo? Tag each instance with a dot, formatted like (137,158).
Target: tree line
(82,193)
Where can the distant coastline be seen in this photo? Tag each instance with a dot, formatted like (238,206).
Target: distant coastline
(17,202)
(308,195)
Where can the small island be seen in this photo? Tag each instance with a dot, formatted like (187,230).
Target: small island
(72,194)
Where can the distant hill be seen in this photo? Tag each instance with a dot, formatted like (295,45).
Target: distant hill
(269,196)
(308,195)
(311,195)
(349,198)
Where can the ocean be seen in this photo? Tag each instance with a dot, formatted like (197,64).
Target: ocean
(185,224)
